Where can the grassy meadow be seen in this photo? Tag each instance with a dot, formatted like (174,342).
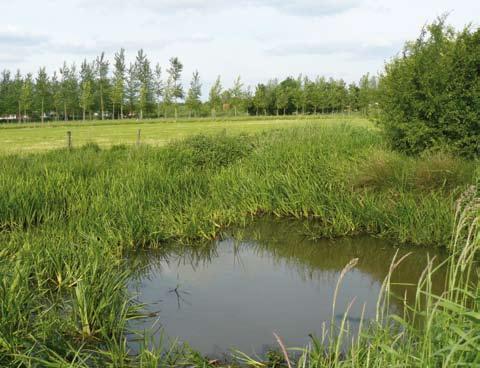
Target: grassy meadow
(35,137)
(69,218)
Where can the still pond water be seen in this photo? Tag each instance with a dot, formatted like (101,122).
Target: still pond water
(266,278)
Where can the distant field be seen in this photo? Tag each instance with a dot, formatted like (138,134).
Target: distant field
(18,138)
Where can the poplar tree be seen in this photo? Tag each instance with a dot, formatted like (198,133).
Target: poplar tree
(5,91)
(17,92)
(159,87)
(366,93)
(260,99)
(226,99)
(86,87)
(63,88)
(175,74)
(144,76)
(215,98)
(167,96)
(56,94)
(101,70)
(310,94)
(352,97)
(236,94)
(131,90)
(270,95)
(298,94)
(322,93)
(68,89)
(86,96)
(42,91)
(194,93)
(281,99)
(118,92)
(26,96)
(341,94)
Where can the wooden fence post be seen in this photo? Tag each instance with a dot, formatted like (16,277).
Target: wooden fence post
(69,140)
(138,137)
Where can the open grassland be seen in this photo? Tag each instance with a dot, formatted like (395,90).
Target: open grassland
(69,218)
(35,137)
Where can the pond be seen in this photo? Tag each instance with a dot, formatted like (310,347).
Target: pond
(268,277)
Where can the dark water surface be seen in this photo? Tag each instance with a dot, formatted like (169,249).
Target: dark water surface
(268,277)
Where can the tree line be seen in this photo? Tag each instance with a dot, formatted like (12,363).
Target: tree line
(100,89)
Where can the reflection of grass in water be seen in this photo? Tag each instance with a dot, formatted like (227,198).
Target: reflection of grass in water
(150,261)
(284,242)
(322,261)
(435,331)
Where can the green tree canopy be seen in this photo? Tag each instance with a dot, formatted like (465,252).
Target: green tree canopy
(430,94)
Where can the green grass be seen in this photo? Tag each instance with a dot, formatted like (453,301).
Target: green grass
(35,137)
(69,218)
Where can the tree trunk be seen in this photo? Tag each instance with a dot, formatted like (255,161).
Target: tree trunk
(113,111)
(101,102)
(42,112)
(65,116)
(84,113)
(235,109)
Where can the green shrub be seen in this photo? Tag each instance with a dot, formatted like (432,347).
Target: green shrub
(430,94)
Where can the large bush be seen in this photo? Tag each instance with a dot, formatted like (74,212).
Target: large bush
(430,94)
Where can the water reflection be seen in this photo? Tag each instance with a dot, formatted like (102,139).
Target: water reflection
(267,277)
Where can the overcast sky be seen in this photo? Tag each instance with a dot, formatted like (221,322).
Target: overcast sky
(257,39)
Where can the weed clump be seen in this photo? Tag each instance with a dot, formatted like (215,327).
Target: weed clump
(216,151)
(379,170)
(441,170)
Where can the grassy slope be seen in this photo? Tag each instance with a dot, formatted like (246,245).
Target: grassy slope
(36,138)
(67,218)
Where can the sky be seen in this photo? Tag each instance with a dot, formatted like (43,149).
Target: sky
(256,39)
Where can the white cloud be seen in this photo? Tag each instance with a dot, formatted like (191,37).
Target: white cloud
(352,49)
(257,39)
(298,7)
(12,36)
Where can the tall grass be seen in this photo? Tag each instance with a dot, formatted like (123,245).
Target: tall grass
(342,178)
(68,219)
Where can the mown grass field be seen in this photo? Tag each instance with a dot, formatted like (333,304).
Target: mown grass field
(30,137)
(69,218)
